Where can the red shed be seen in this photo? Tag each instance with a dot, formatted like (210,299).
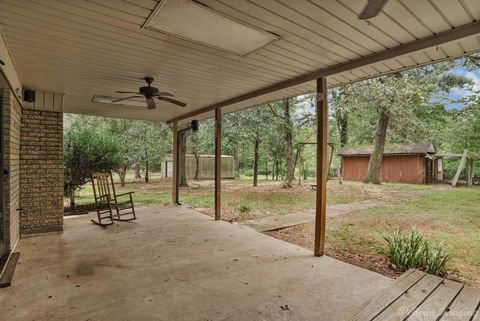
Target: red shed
(418,164)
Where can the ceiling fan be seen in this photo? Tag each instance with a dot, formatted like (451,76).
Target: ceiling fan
(372,9)
(150,94)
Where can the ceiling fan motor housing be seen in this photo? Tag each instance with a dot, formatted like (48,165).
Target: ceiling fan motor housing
(148,91)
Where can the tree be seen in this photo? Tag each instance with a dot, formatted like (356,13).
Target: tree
(149,142)
(85,152)
(287,125)
(252,126)
(292,121)
(396,103)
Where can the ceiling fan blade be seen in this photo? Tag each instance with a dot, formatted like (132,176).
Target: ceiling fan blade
(125,98)
(151,103)
(372,9)
(173,101)
(127,92)
(163,93)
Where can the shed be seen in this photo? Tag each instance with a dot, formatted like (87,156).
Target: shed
(418,163)
(207,166)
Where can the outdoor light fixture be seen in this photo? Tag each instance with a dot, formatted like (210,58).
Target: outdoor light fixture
(29,95)
(195,126)
(195,22)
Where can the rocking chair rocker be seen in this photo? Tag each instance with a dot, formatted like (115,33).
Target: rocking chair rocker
(106,199)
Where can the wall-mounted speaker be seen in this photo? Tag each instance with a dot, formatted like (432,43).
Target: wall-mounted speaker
(29,95)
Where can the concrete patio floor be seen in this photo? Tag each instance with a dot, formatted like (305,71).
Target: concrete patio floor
(176,264)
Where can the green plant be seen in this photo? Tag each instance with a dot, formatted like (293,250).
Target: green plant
(244,208)
(86,151)
(410,249)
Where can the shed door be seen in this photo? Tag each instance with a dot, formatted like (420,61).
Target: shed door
(2,168)
(429,171)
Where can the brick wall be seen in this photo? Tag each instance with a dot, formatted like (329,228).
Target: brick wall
(41,166)
(12,123)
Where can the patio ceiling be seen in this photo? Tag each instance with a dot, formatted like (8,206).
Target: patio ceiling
(87,48)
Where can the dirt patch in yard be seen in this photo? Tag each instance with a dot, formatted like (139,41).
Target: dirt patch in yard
(373,262)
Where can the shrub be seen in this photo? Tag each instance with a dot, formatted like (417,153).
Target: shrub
(412,250)
(86,151)
(244,208)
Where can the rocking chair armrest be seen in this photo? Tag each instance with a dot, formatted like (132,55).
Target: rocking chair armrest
(107,196)
(127,193)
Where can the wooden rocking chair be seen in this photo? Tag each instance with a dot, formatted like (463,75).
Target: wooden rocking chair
(106,199)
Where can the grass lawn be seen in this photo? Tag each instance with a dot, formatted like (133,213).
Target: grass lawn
(241,201)
(451,217)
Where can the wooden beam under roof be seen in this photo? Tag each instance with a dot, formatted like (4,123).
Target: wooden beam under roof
(420,44)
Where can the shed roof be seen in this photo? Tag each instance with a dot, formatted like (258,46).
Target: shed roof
(415,149)
(85,48)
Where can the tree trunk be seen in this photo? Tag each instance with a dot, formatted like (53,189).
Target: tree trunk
(342,124)
(373,171)
(182,153)
(288,144)
(255,162)
(137,172)
(277,169)
(122,172)
(266,170)
(72,198)
(197,166)
(147,169)
(236,162)
(300,170)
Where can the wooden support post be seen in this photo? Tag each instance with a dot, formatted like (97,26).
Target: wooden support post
(322,166)
(218,163)
(175,198)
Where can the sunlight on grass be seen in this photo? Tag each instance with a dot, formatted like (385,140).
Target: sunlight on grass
(451,217)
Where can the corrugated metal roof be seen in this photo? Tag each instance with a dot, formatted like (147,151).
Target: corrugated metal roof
(418,148)
(84,48)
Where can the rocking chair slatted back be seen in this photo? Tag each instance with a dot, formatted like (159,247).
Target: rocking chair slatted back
(102,182)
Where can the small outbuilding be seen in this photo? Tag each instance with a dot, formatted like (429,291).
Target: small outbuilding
(206,164)
(417,164)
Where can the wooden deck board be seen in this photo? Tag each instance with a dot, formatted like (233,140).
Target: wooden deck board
(380,303)
(419,296)
(464,305)
(438,302)
(410,300)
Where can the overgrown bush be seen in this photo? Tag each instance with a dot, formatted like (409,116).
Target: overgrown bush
(86,151)
(244,208)
(410,249)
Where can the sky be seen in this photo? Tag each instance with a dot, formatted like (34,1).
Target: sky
(458,93)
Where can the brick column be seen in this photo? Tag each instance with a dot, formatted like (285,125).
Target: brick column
(41,170)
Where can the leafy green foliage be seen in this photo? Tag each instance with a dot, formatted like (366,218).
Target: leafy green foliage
(244,208)
(86,151)
(412,250)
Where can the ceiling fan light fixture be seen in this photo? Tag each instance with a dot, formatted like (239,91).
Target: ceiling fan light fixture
(135,102)
(192,21)
(151,103)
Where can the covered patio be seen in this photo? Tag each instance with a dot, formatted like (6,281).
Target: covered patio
(176,264)
(216,57)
